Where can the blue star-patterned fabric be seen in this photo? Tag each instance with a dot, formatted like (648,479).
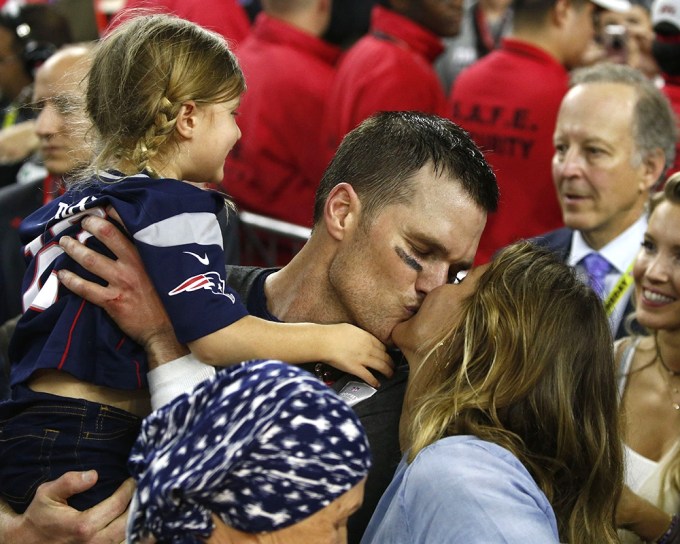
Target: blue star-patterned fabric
(263,445)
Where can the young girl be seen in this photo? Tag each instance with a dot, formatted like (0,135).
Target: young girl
(162,95)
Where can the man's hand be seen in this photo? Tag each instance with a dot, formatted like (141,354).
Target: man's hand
(50,519)
(17,142)
(129,298)
(641,516)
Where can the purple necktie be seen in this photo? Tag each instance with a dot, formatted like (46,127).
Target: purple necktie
(597,267)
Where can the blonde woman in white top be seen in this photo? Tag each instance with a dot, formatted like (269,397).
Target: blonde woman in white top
(650,382)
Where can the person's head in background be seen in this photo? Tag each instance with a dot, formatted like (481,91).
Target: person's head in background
(59,97)
(565,28)
(162,95)
(666,46)
(440,18)
(272,453)
(399,211)
(626,37)
(614,139)
(29,34)
(535,377)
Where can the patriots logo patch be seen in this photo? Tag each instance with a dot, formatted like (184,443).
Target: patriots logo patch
(210,280)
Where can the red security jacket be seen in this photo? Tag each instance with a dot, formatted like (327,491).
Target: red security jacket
(289,74)
(508,102)
(226,17)
(388,69)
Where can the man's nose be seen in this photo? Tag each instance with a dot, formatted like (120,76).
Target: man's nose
(431,277)
(570,164)
(48,121)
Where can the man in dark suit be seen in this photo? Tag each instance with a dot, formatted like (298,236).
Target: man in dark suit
(614,139)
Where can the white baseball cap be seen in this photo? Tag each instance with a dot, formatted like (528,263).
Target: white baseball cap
(613,5)
(666,11)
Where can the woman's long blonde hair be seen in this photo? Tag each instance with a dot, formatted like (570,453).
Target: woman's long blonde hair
(141,75)
(531,369)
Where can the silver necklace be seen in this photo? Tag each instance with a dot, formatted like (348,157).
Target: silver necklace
(672,389)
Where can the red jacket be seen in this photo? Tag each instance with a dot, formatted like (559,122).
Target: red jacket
(289,74)
(388,69)
(226,17)
(508,102)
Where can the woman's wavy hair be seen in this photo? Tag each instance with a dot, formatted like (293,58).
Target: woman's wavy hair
(141,75)
(531,368)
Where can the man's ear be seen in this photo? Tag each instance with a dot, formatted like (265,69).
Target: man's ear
(560,12)
(653,164)
(341,211)
(187,118)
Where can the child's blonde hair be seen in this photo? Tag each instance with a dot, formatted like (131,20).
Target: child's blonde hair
(141,75)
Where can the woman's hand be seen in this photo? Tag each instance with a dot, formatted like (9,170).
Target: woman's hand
(640,516)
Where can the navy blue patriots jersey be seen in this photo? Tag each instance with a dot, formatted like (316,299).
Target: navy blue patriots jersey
(173,225)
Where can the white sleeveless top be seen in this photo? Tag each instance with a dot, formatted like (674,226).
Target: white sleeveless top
(643,475)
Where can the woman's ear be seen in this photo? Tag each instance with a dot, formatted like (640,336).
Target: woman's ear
(187,118)
(342,210)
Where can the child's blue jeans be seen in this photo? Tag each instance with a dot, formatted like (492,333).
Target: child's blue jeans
(43,436)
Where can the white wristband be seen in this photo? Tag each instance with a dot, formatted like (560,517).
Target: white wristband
(175,378)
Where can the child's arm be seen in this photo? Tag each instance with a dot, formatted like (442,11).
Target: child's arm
(344,346)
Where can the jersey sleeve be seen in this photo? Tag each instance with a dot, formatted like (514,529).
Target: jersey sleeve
(174,226)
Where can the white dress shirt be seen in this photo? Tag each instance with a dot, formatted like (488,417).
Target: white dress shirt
(620,253)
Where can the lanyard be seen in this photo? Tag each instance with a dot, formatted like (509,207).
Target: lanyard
(10,116)
(624,283)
